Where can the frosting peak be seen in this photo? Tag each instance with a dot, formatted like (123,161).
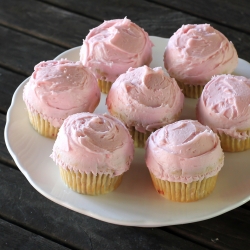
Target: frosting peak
(225,104)
(190,135)
(88,142)
(114,46)
(57,89)
(97,133)
(197,52)
(184,151)
(142,91)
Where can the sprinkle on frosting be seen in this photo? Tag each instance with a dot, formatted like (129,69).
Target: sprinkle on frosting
(145,98)
(114,46)
(57,89)
(99,144)
(225,105)
(184,151)
(197,52)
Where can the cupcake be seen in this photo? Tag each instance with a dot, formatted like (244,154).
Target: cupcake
(92,152)
(197,52)
(113,47)
(145,99)
(224,106)
(57,89)
(184,159)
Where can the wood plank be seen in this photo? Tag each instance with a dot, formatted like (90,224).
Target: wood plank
(21,53)
(247,205)
(9,81)
(236,14)
(228,231)
(163,21)
(14,237)
(45,22)
(21,204)
(4,153)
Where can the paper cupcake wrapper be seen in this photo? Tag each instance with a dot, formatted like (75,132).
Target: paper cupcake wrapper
(191,91)
(139,137)
(104,86)
(181,192)
(42,126)
(88,183)
(230,144)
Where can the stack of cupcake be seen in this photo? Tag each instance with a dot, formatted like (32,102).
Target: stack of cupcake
(184,157)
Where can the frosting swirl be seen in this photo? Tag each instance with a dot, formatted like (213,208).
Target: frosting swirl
(57,89)
(225,105)
(114,46)
(197,52)
(184,151)
(145,98)
(99,144)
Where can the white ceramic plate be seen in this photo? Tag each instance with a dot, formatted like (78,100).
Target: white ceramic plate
(135,202)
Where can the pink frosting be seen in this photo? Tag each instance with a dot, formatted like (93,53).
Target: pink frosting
(197,52)
(145,98)
(184,151)
(58,89)
(99,144)
(115,46)
(225,105)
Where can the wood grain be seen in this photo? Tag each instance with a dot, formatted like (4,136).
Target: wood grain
(163,21)
(224,12)
(45,22)
(14,237)
(21,204)
(9,81)
(4,153)
(20,52)
(214,232)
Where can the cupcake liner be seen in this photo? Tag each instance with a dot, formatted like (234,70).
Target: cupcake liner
(139,137)
(191,91)
(104,86)
(42,126)
(88,183)
(181,192)
(230,144)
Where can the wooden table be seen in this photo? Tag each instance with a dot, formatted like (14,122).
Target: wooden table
(33,31)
